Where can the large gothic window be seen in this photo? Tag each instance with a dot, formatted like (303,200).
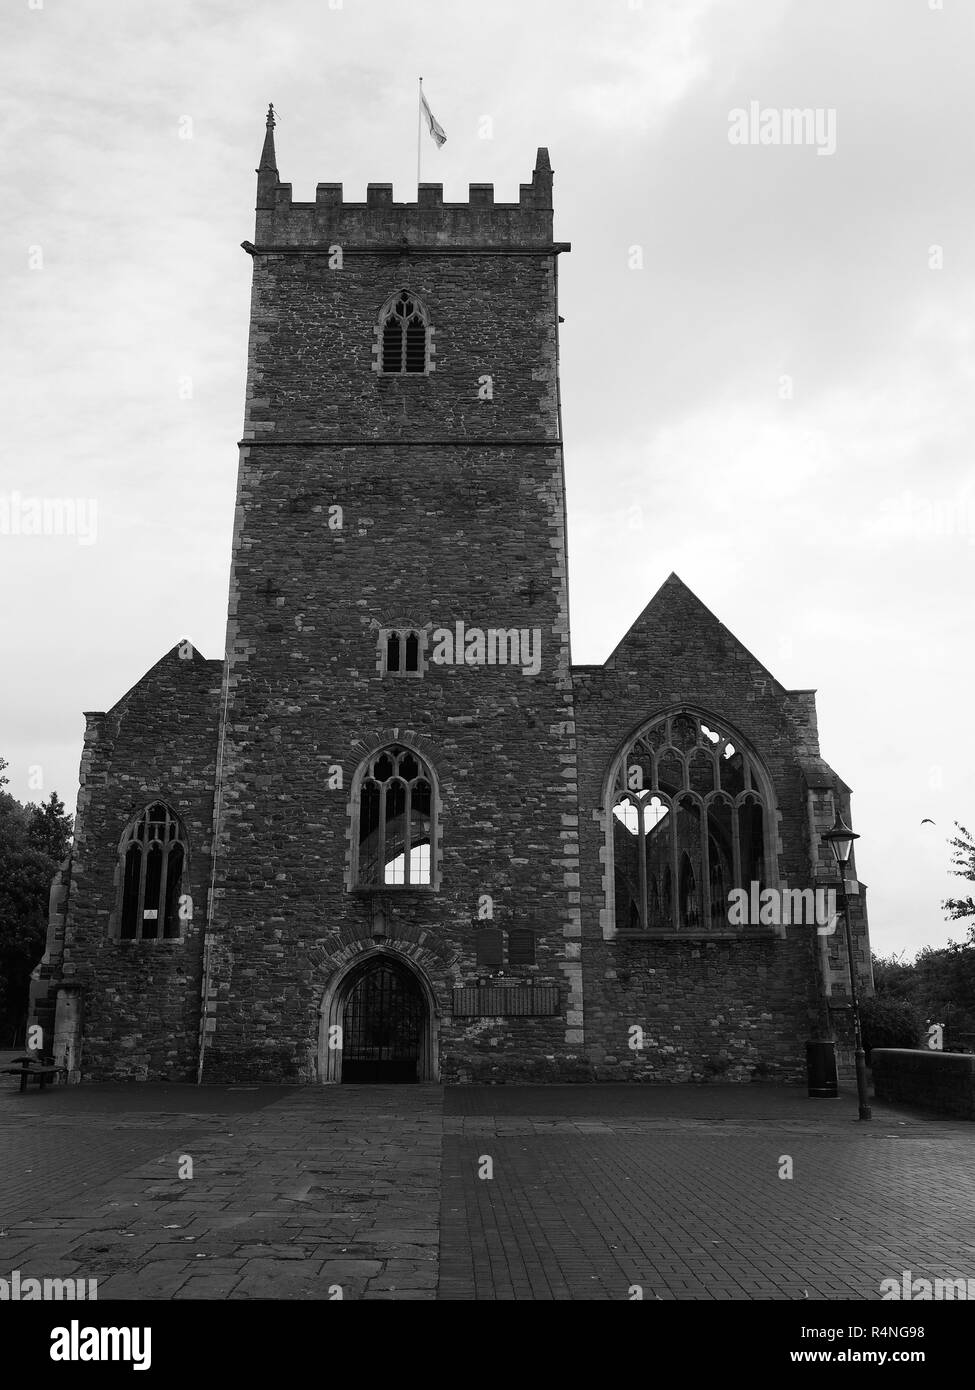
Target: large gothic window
(395,813)
(404,336)
(153,861)
(690,820)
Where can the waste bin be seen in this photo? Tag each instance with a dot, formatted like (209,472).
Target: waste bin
(821,1070)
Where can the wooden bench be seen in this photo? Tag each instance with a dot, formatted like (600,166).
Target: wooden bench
(26,1067)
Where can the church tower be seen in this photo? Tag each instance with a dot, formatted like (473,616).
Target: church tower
(395,835)
(395,888)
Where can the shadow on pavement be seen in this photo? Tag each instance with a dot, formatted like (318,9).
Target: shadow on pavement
(161,1098)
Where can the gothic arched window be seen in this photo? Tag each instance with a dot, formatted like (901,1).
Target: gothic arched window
(404,336)
(153,855)
(690,822)
(395,811)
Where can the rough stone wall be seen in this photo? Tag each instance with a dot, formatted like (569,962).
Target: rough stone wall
(452,511)
(710,1010)
(141,999)
(314,335)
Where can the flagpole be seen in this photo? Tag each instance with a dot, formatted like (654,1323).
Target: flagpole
(419,114)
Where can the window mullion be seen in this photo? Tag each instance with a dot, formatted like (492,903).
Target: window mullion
(642,865)
(163,875)
(705,897)
(407,838)
(674,867)
(141,901)
(382,834)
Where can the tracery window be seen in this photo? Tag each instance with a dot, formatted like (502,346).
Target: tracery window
(153,861)
(690,821)
(395,810)
(404,336)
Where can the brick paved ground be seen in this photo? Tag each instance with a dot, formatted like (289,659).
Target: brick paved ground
(684,1214)
(594,1190)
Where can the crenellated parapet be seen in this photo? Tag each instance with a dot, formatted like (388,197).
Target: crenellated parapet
(330,221)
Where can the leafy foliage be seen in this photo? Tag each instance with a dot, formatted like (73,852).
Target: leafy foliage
(946,990)
(940,984)
(962,865)
(892,977)
(889,1022)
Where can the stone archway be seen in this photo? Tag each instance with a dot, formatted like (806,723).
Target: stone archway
(356,986)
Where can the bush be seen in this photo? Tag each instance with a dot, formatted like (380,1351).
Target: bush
(888,1022)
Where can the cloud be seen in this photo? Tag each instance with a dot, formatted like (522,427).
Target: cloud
(828,529)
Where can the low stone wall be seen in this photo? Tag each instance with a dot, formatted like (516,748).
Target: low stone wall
(942,1081)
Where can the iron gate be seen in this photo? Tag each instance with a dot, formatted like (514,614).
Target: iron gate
(382,1026)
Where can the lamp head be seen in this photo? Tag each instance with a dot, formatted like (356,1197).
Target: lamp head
(840,839)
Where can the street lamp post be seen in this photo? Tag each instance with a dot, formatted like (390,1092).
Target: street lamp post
(840,840)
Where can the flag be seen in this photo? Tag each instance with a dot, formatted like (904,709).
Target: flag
(436,129)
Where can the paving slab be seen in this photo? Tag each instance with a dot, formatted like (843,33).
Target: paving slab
(377,1193)
(283,1180)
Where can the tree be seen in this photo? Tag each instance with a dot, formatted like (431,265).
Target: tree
(945,991)
(48,828)
(33,842)
(963,866)
(893,978)
(889,1022)
(939,984)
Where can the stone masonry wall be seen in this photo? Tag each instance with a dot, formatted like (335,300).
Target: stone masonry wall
(141,999)
(710,1010)
(306,698)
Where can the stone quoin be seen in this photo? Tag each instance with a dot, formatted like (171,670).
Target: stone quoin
(292,865)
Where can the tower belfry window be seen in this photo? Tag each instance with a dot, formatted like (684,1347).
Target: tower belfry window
(404,336)
(401,651)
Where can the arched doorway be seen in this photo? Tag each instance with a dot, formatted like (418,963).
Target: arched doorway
(383,1024)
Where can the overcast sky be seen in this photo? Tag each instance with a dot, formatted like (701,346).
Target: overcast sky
(778,405)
